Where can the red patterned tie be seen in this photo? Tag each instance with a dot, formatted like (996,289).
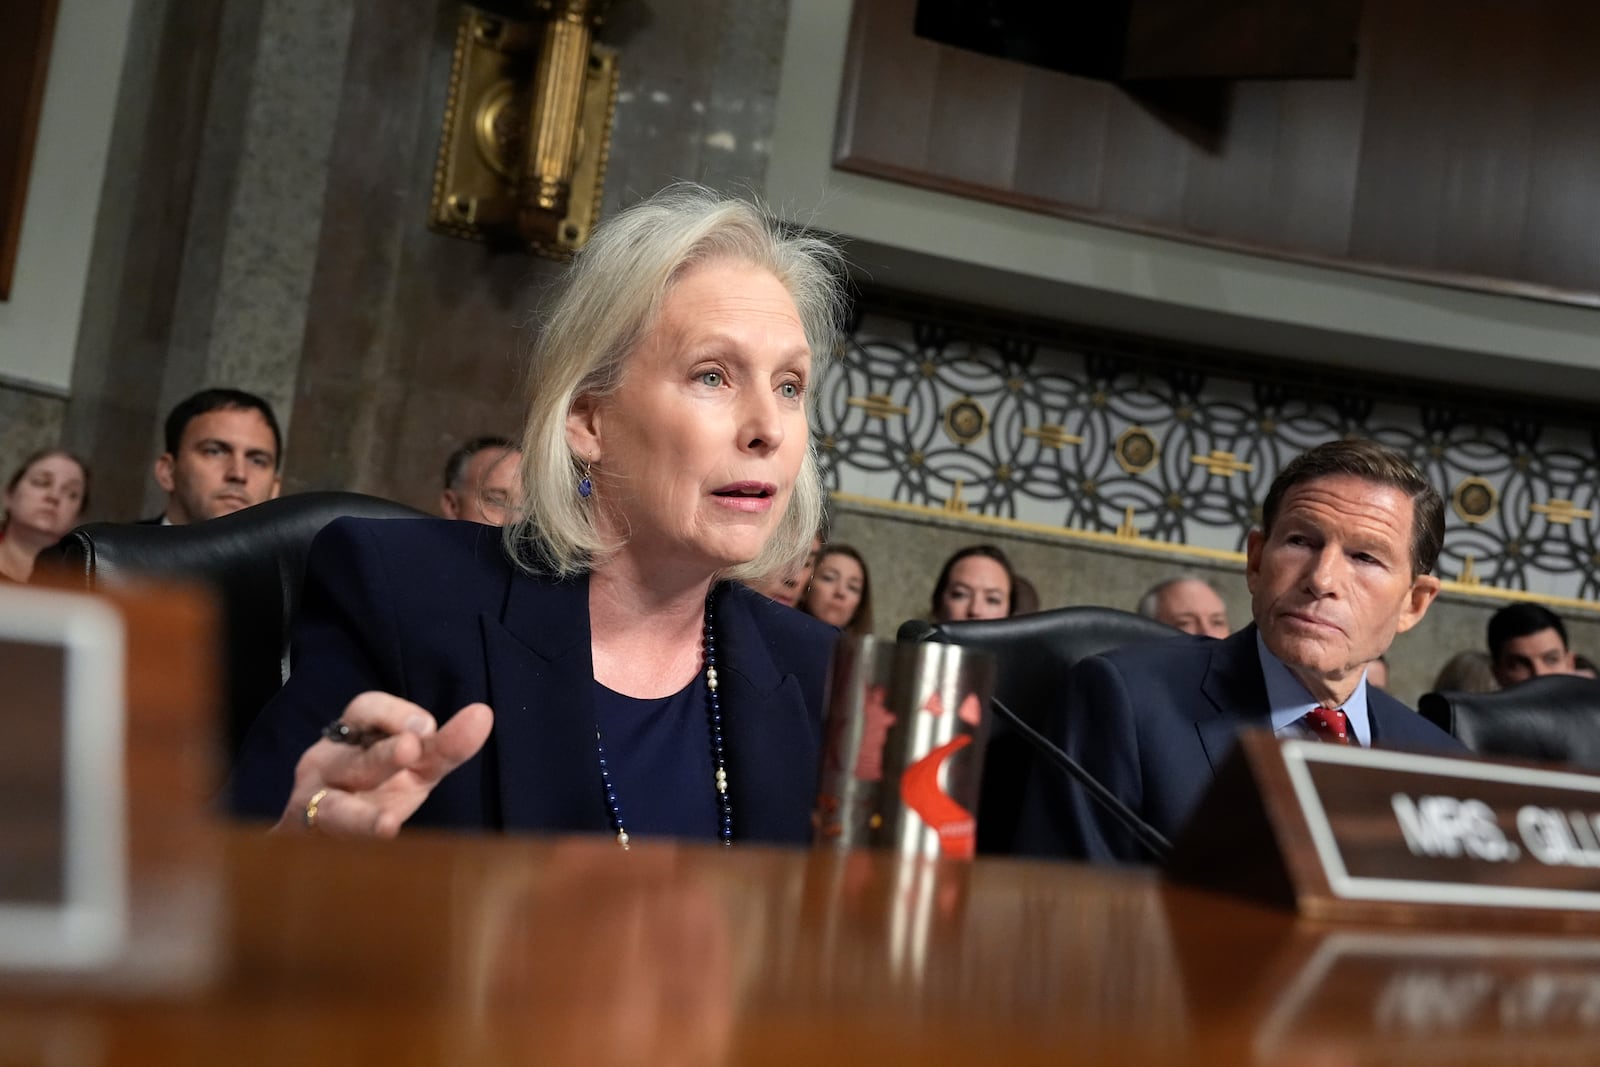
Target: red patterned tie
(1330,725)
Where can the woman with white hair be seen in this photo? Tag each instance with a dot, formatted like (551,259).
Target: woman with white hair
(636,685)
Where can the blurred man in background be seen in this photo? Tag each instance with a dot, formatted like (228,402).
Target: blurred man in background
(1189,603)
(481,481)
(1527,640)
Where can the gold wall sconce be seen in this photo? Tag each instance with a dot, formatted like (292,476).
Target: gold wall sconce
(527,128)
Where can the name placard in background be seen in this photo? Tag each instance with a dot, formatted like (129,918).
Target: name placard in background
(63,862)
(1356,833)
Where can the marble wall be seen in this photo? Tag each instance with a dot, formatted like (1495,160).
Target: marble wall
(29,420)
(210,220)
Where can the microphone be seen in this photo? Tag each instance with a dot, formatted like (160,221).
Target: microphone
(914,630)
(1152,839)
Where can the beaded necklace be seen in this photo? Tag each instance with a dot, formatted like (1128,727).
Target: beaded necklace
(718,761)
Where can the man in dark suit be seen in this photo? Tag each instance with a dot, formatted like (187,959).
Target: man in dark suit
(223,453)
(1342,562)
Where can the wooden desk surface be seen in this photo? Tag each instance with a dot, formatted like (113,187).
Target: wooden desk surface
(298,952)
(486,950)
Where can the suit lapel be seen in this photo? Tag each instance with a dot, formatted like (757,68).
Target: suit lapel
(544,759)
(1237,694)
(771,745)
(1391,722)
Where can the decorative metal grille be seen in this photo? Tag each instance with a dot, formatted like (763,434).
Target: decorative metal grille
(978,419)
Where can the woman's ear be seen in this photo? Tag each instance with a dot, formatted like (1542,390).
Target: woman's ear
(583,428)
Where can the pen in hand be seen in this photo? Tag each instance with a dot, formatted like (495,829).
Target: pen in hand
(342,733)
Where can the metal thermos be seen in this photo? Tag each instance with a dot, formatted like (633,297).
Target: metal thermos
(906,726)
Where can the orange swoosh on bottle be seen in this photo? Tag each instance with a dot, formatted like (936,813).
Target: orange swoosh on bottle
(919,791)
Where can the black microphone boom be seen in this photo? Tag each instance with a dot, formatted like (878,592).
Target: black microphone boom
(1152,839)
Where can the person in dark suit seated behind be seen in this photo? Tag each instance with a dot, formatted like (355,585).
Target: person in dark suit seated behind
(1342,562)
(224,453)
(637,686)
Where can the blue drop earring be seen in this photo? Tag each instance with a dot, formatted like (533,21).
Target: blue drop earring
(585,484)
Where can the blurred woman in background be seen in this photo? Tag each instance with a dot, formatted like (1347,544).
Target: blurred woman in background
(976,583)
(788,586)
(841,590)
(43,501)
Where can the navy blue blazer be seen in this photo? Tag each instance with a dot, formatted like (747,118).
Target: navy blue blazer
(1153,722)
(433,611)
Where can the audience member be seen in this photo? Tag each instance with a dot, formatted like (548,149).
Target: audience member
(223,450)
(666,449)
(1024,596)
(1378,672)
(975,583)
(1471,671)
(1525,641)
(790,583)
(1584,666)
(480,481)
(1349,536)
(1188,603)
(840,593)
(43,501)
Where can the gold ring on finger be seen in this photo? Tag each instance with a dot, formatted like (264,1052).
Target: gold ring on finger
(311,808)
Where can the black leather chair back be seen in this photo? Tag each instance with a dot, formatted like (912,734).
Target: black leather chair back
(255,560)
(1555,718)
(1033,654)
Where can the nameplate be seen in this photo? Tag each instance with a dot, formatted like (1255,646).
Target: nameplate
(1375,834)
(63,865)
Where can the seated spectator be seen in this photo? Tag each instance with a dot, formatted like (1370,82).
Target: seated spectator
(1189,603)
(1466,672)
(43,501)
(1584,666)
(481,481)
(975,583)
(841,590)
(223,455)
(1526,641)
(787,587)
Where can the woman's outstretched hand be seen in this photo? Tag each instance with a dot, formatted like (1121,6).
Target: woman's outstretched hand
(394,755)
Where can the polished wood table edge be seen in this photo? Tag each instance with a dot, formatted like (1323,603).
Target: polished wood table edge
(486,948)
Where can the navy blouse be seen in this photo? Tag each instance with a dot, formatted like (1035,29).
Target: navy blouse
(658,752)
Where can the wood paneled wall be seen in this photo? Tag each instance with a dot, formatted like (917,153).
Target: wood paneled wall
(1466,150)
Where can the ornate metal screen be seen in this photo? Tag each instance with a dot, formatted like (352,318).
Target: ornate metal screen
(1093,434)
